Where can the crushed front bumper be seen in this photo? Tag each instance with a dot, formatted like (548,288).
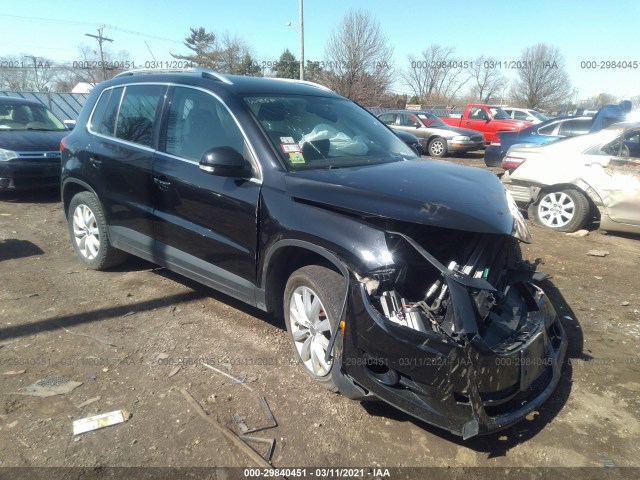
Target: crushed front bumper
(466,389)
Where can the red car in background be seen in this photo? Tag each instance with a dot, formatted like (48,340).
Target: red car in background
(486,119)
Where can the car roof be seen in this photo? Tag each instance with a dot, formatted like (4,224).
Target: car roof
(238,84)
(19,101)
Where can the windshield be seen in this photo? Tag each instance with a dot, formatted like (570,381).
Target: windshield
(28,117)
(499,114)
(430,120)
(310,132)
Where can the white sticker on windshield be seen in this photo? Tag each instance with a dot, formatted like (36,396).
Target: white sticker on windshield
(290,147)
(287,140)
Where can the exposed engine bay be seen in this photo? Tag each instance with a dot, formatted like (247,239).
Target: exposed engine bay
(435,268)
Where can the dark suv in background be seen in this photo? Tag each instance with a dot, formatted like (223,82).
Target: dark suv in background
(397,278)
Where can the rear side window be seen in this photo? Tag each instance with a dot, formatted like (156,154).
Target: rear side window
(127,113)
(137,113)
(388,118)
(571,128)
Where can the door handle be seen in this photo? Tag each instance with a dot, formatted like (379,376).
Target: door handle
(95,162)
(162,184)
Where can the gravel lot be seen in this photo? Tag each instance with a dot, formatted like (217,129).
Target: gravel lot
(135,336)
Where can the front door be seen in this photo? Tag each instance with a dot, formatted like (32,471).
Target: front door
(205,225)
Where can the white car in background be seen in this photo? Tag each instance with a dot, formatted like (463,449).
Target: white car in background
(563,182)
(526,114)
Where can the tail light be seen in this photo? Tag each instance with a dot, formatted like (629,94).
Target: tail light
(511,163)
(496,139)
(63,143)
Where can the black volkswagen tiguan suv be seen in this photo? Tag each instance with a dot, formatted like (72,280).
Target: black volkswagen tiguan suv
(398,278)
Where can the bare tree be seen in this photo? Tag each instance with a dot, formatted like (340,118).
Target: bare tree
(542,81)
(486,80)
(358,57)
(436,76)
(27,73)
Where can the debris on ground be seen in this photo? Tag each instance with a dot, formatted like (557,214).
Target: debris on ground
(174,371)
(598,253)
(579,233)
(89,402)
(14,372)
(96,422)
(50,386)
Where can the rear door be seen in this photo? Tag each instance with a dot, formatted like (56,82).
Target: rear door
(616,177)
(205,225)
(118,162)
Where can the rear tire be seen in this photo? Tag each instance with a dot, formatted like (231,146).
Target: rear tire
(312,305)
(88,230)
(564,210)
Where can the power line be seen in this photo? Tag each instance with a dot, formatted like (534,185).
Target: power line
(74,22)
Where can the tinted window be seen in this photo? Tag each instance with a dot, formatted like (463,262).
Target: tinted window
(107,123)
(96,118)
(571,128)
(388,118)
(520,115)
(199,122)
(409,120)
(548,129)
(137,113)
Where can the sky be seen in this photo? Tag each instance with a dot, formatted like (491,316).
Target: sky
(583,31)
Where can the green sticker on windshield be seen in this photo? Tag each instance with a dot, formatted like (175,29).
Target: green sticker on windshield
(296,157)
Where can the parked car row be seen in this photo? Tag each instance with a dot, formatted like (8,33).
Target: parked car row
(438,138)
(552,129)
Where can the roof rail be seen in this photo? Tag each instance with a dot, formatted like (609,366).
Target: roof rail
(303,82)
(202,71)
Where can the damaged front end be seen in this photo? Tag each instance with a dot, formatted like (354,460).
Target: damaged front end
(453,331)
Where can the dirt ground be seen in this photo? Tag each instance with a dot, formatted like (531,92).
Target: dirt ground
(124,333)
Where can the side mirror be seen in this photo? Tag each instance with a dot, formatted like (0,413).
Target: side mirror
(70,124)
(416,124)
(224,161)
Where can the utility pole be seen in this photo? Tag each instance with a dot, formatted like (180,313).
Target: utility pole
(301,39)
(101,39)
(35,68)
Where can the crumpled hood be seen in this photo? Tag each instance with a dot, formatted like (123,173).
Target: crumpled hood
(31,140)
(428,192)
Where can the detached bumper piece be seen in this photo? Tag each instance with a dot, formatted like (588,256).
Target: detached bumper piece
(471,348)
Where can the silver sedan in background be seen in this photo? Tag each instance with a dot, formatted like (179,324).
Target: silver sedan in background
(563,182)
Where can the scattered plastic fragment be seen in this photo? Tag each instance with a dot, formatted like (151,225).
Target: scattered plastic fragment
(50,386)
(598,253)
(99,421)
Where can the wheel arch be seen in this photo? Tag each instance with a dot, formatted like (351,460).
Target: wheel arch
(285,257)
(71,188)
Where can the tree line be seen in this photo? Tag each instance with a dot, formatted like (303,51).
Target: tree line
(358,63)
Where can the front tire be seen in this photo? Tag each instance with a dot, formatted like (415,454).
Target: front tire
(565,210)
(313,300)
(88,230)
(437,147)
